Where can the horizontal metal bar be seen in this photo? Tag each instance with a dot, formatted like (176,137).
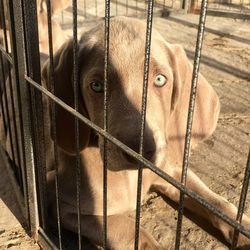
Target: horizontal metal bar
(6,55)
(228,14)
(144,162)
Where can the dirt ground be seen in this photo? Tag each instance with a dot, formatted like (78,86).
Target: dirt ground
(219,161)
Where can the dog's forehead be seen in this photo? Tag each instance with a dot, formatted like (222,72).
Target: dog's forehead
(126,48)
(126,35)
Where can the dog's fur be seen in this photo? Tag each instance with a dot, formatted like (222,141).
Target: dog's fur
(42,22)
(56,5)
(57,33)
(164,131)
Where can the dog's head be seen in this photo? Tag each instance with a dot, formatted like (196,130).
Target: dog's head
(169,86)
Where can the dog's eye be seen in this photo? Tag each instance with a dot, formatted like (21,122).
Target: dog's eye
(160,80)
(97,87)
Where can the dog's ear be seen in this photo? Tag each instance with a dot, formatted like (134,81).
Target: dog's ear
(206,110)
(41,6)
(63,89)
(56,6)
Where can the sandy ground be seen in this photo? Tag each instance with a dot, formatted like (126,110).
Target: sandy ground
(219,161)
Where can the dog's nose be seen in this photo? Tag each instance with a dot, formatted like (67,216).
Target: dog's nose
(149,147)
(149,154)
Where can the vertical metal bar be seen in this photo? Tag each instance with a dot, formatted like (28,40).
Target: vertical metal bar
(105,118)
(143,115)
(3,108)
(37,121)
(53,121)
(15,133)
(76,104)
(3,24)
(195,76)
(10,108)
(242,201)
(17,80)
(7,111)
(17,34)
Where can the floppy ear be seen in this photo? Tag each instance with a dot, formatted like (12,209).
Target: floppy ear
(206,111)
(63,87)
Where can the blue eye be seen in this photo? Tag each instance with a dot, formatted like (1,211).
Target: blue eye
(160,80)
(97,87)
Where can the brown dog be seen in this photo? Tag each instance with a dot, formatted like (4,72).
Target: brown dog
(169,85)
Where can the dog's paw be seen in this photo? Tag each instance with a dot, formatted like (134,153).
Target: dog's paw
(149,246)
(243,241)
(147,242)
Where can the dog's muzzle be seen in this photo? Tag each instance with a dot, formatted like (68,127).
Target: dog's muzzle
(149,148)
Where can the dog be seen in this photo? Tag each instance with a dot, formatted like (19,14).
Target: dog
(56,5)
(169,86)
(58,35)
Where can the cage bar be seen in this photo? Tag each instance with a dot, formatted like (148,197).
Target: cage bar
(3,107)
(105,118)
(76,106)
(28,75)
(53,121)
(36,112)
(191,107)
(143,115)
(10,109)
(200,200)
(19,67)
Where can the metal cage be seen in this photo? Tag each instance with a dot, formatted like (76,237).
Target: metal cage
(22,110)
(233,9)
